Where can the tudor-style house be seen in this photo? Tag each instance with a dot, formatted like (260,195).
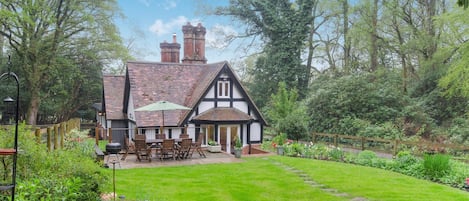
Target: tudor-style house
(220,107)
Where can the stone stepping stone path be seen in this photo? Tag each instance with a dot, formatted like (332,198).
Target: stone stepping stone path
(308,180)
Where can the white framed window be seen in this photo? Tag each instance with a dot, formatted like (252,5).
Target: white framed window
(223,89)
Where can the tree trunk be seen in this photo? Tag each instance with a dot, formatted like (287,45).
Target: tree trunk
(33,108)
(347,45)
(374,38)
(430,28)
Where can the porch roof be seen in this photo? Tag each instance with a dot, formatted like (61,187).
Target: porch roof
(223,114)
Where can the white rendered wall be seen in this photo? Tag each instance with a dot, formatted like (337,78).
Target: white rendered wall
(245,134)
(191,131)
(211,93)
(130,108)
(236,92)
(205,105)
(241,105)
(255,131)
(223,103)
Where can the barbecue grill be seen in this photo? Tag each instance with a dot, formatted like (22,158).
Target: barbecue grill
(113,148)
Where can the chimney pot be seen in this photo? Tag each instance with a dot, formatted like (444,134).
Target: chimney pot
(174,38)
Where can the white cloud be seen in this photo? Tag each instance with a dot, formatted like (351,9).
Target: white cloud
(145,2)
(159,27)
(220,36)
(169,4)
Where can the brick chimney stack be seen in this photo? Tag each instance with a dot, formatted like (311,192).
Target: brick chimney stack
(194,44)
(188,32)
(170,51)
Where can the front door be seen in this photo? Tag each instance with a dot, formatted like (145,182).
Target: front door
(228,134)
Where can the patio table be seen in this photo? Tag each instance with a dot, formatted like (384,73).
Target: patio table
(159,141)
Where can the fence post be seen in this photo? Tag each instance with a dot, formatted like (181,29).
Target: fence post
(109,135)
(314,138)
(336,137)
(396,144)
(363,143)
(69,125)
(49,134)
(56,136)
(62,135)
(96,135)
(38,135)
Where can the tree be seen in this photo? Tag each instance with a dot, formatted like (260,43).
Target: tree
(456,80)
(283,25)
(463,3)
(365,33)
(286,114)
(42,35)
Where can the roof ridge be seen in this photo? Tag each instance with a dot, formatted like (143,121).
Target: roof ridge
(170,63)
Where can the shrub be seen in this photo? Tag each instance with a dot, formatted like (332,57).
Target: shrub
(366,157)
(267,145)
(68,174)
(294,149)
(352,126)
(436,165)
(320,151)
(456,177)
(279,139)
(336,154)
(407,164)
(354,97)
(459,131)
(386,130)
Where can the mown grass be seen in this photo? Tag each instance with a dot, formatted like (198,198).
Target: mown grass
(261,179)
(373,183)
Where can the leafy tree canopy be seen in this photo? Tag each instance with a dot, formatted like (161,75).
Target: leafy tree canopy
(60,48)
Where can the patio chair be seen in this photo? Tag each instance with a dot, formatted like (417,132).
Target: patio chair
(183,136)
(197,146)
(168,149)
(184,148)
(142,150)
(160,136)
(127,147)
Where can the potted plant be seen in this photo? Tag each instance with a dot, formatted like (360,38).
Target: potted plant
(213,147)
(278,142)
(238,148)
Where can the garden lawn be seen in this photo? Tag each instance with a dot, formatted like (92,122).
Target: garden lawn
(263,179)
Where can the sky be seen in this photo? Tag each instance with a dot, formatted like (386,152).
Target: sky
(148,23)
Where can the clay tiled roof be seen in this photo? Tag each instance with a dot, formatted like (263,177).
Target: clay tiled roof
(114,96)
(223,114)
(179,83)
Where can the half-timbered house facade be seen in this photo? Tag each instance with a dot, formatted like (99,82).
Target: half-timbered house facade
(221,110)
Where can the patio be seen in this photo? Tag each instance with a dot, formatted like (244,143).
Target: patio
(132,162)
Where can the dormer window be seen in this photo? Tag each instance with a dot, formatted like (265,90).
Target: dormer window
(224,89)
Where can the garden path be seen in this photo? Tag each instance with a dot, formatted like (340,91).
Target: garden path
(308,180)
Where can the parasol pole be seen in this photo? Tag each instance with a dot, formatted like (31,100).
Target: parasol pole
(162,126)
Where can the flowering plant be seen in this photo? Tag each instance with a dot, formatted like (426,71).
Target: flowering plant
(279,140)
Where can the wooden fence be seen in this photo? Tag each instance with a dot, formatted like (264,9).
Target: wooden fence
(389,146)
(54,135)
